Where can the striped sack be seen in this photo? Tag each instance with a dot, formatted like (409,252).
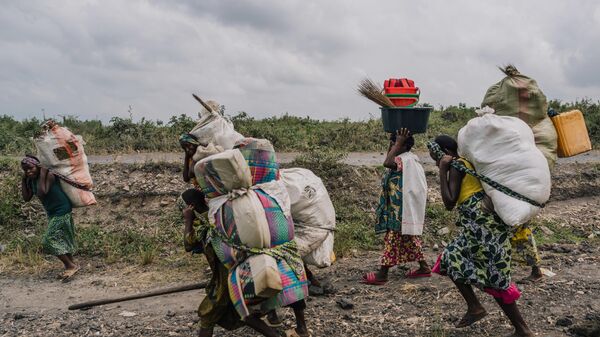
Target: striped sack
(261,158)
(245,301)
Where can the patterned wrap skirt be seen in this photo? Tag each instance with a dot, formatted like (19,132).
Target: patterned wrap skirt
(481,254)
(59,238)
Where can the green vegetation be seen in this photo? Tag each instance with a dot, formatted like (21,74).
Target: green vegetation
(287,133)
(561,233)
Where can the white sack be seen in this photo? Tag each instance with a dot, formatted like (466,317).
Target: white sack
(224,171)
(248,214)
(323,256)
(503,149)
(216,129)
(313,213)
(206,151)
(265,274)
(414,194)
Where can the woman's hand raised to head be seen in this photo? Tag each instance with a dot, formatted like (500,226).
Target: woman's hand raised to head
(401,136)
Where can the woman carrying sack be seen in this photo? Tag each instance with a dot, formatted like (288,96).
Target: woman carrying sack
(59,239)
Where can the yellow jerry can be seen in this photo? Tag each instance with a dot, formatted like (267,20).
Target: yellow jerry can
(573,137)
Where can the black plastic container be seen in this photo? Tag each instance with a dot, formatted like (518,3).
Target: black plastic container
(414,119)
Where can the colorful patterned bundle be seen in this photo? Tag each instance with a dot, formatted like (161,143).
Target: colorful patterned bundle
(261,158)
(242,294)
(222,172)
(254,219)
(281,227)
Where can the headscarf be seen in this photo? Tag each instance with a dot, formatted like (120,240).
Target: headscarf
(188,138)
(30,160)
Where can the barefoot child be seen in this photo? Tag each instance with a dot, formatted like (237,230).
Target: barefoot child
(481,254)
(401,220)
(59,239)
(217,307)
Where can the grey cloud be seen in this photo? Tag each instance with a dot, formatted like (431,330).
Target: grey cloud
(269,57)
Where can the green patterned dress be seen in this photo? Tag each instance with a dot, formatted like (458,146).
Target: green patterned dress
(481,254)
(59,238)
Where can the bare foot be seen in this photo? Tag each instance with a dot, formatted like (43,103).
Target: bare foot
(471,317)
(526,334)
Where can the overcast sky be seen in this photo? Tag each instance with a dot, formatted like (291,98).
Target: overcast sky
(95,58)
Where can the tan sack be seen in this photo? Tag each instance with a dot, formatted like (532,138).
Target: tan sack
(62,152)
(517,95)
(222,172)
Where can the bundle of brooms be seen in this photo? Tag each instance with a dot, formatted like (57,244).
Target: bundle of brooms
(373,92)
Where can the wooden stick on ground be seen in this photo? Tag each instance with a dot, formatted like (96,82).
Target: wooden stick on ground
(206,106)
(87,305)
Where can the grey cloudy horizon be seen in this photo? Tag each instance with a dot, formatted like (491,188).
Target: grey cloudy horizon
(94,59)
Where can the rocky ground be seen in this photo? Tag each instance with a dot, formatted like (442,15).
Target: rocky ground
(564,305)
(34,303)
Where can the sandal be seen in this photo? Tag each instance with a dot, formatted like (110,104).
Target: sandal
(69,273)
(415,274)
(371,278)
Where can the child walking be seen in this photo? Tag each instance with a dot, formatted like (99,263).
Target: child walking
(481,254)
(401,210)
(59,239)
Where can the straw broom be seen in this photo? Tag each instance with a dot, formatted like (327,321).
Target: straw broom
(373,92)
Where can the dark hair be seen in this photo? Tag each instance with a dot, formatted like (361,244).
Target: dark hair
(447,143)
(196,197)
(409,143)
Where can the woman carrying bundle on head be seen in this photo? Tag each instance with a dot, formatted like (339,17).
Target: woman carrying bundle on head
(59,239)
(481,254)
(401,210)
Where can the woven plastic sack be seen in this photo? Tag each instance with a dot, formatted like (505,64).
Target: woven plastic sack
(61,151)
(214,128)
(503,149)
(258,217)
(223,172)
(519,96)
(313,214)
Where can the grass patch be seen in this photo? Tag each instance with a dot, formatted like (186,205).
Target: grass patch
(561,233)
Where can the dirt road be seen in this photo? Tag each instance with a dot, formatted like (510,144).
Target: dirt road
(353,158)
(36,305)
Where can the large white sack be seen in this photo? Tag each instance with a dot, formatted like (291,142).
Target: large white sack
(216,129)
(503,149)
(323,256)
(312,211)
